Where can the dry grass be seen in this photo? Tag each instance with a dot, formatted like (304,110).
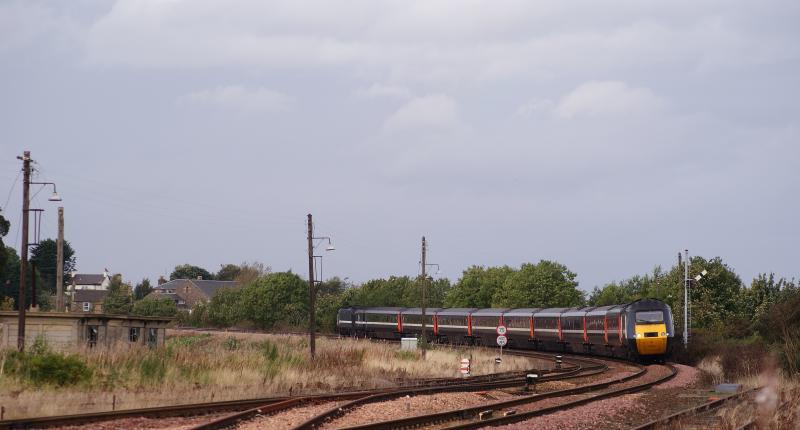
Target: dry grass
(200,367)
(775,407)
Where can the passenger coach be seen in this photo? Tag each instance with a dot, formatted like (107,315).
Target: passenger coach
(641,329)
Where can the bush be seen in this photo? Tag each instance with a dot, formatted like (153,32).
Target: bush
(155,307)
(41,366)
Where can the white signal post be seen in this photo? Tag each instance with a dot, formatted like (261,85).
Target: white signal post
(502,340)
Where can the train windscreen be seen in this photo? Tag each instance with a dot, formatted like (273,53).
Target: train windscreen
(649,317)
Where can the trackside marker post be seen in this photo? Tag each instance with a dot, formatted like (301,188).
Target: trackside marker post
(465,367)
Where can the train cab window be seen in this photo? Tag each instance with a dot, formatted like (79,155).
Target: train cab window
(649,317)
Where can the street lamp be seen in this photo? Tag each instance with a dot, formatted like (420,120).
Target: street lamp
(687,281)
(23,261)
(312,288)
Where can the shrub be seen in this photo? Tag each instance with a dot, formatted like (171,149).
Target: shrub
(43,367)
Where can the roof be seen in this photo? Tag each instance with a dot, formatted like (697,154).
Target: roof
(489,312)
(88,279)
(209,288)
(89,295)
(418,311)
(521,312)
(84,316)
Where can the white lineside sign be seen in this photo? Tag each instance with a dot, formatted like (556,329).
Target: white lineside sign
(465,367)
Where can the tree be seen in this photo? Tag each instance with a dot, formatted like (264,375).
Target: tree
(155,307)
(249,272)
(44,256)
(118,300)
(142,289)
(545,284)
(187,271)
(628,290)
(227,272)
(477,286)
(276,298)
(4,226)
(225,308)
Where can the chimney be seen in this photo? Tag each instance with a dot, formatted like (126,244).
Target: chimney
(161,280)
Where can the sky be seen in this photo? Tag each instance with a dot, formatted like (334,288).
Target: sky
(607,136)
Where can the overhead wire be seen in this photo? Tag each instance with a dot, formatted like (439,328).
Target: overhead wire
(11,191)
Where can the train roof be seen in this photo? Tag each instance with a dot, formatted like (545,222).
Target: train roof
(418,311)
(601,310)
(552,312)
(489,312)
(521,312)
(385,310)
(579,312)
(456,311)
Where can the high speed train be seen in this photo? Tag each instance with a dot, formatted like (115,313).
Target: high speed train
(640,330)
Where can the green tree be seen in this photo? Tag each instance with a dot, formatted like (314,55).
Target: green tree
(155,307)
(276,299)
(9,286)
(228,272)
(187,271)
(225,308)
(142,289)
(118,300)
(4,226)
(477,286)
(545,284)
(44,256)
(628,290)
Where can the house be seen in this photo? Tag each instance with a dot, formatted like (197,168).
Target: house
(88,300)
(88,281)
(187,293)
(67,330)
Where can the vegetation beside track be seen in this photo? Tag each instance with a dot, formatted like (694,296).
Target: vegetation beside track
(200,367)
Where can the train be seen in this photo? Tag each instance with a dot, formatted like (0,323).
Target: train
(642,330)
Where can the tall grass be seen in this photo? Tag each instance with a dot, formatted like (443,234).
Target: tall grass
(198,367)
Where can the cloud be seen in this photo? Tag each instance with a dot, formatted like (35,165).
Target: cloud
(436,111)
(605,98)
(446,42)
(384,91)
(235,97)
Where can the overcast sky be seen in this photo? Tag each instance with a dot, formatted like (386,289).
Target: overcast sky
(604,135)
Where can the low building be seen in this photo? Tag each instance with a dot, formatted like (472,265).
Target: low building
(88,301)
(64,330)
(187,293)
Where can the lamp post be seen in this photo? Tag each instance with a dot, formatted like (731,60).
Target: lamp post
(23,257)
(687,282)
(312,288)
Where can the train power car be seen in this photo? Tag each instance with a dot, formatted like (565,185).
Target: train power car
(639,330)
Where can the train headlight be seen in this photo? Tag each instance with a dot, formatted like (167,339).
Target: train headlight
(663,334)
(638,335)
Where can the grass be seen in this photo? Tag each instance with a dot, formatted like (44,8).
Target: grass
(201,367)
(776,406)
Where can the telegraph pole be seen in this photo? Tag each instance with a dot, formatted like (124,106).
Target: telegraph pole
(686,299)
(311,289)
(60,262)
(424,287)
(23,254)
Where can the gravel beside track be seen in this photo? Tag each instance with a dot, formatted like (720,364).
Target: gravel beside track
(412,406)
(287,419)
(173,423)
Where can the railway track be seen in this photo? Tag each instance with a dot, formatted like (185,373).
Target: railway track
(700,416)
(244,409)
(495,413)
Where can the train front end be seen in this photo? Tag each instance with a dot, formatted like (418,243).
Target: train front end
(650,324)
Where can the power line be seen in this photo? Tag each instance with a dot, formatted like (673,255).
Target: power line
(8,199)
